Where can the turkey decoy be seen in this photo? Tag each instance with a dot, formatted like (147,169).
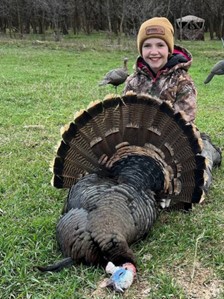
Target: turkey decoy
(218,69)
(121,159)
(117,76)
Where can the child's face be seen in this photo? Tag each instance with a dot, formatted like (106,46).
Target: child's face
(155,52)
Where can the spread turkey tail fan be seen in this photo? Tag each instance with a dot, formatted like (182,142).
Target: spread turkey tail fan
(117,127)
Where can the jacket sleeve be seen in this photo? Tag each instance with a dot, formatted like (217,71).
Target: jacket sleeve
(186,98)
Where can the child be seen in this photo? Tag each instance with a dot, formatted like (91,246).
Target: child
(162,71)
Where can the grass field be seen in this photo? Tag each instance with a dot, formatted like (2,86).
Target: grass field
(42,84)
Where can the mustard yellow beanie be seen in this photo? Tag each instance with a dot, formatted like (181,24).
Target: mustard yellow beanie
(158,27)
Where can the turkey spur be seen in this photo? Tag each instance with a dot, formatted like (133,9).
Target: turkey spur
(122,159)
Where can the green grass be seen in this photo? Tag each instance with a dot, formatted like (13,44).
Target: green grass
(42,84)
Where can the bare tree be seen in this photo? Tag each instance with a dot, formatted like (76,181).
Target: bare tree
(114,16)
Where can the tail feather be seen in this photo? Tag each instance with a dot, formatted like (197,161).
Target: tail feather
(134,124)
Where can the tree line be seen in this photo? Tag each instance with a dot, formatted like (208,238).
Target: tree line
(113,16)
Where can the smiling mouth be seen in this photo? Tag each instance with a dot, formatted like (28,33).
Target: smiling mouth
(154,58)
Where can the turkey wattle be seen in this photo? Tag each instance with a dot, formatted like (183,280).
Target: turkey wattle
(120,159)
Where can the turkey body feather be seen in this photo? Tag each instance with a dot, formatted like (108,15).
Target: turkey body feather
(119,159)
(103,230)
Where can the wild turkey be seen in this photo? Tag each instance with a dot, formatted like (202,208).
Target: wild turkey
(121,159)
(218,69)
(117,76)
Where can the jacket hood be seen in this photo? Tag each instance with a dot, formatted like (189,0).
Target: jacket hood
(180,59)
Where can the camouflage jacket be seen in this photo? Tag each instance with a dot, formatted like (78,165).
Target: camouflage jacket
(172,83)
